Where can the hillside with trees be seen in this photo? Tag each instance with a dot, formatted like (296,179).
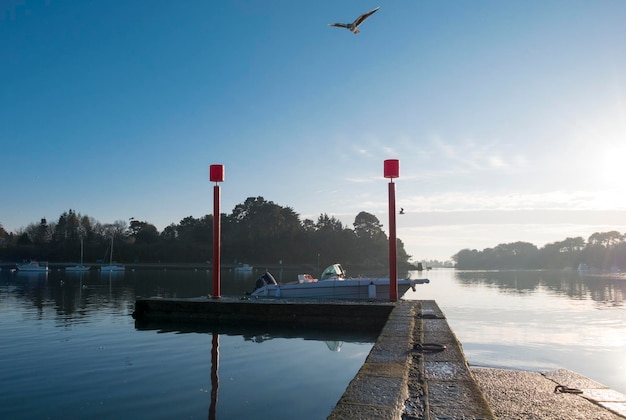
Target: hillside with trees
(602,250)
(256,231)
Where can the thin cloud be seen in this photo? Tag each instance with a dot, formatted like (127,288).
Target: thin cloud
(475,201)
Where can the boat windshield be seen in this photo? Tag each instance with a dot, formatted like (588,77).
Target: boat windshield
(332,272)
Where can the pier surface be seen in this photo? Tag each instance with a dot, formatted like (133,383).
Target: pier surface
(416,368)
(530,395)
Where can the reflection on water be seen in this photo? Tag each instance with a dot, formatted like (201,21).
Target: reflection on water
(537,320)
(603,288)
(93,361)
(261,334)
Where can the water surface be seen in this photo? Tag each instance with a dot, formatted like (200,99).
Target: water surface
(70,348)
(537,320)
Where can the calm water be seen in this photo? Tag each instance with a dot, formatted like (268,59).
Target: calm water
(537,320)
(70,349)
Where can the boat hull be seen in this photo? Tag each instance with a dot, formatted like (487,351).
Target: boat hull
(77,268)
(33,267)
(353,289)
(109,268)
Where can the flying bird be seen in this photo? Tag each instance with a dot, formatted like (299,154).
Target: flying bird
(354,26)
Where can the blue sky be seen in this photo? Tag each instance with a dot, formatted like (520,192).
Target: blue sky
(508,117)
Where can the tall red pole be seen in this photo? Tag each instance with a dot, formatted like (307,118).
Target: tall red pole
(392,170)
(216,241)
(216,174)
(393,257)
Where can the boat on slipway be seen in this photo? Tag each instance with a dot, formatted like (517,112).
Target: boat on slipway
(332,284)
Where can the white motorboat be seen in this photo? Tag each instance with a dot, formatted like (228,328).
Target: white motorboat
(243,268)
(333,284)
(106,268)
(33,266)
(79,268)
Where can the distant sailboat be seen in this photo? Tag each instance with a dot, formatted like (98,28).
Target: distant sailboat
(111,267)
(81,267)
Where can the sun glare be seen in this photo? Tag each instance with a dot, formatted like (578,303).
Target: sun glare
(604,153)
(612,168)
(610,174)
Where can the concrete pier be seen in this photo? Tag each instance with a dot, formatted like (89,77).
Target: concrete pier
(531,395)
(416,368)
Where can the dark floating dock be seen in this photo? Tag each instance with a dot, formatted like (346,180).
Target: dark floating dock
(416,368)
(225,311)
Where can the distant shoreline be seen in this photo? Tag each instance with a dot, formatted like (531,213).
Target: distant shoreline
(305,268)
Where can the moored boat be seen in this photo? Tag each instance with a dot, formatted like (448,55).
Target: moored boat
(243,268)
(78,268)
(81,267)
(333,284)
(110,266)
(33,266)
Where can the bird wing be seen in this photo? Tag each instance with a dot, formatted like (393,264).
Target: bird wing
(364,16)
(339,25)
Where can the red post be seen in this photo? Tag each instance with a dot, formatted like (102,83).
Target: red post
(393,263)
(392,170)
(216,241)
(216,174)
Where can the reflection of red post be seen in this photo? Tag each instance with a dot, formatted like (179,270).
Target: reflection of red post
(214,377)
(216,175)
(392,170)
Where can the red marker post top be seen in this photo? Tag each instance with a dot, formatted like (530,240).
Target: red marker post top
(216,173)
(392,168)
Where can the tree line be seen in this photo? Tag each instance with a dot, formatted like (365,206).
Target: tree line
(256,231)
(602,250)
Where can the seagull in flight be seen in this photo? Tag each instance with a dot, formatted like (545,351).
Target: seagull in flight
(354,26)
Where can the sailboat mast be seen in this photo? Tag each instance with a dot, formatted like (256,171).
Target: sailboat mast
(111,256)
